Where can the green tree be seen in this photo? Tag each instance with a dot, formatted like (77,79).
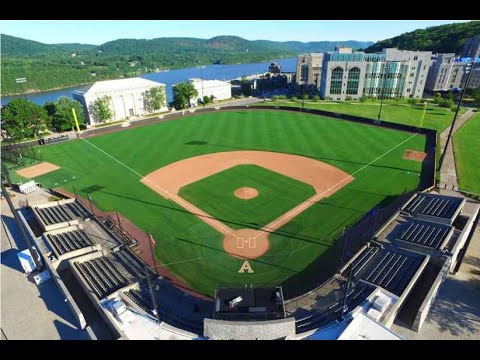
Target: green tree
(437,98)
(182,93)
(100,109)
(23,119)
(61,114)
(155,98)
(207,99)
(246,87)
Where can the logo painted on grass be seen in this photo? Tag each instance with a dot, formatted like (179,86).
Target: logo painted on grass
(246,267)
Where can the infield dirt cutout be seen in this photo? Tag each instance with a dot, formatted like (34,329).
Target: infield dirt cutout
(414,155)
(247,243)
(37,170)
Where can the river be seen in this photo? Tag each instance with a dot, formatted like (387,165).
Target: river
(171,77)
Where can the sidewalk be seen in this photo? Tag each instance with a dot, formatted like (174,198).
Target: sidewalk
(448,173)
(29,311)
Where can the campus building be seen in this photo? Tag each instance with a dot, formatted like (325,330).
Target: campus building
(126,98)
(345,73)
(220,90)
(449,73)
(309,69)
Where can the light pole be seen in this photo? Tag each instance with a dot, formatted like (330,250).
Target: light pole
(382,89)
(468,71)
(201,77)
(423,115)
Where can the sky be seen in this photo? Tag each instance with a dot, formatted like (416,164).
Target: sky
(100,31)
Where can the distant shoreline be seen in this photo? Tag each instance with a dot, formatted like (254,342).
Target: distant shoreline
(36,91)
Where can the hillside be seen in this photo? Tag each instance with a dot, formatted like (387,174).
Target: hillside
(49,66)
(438,39)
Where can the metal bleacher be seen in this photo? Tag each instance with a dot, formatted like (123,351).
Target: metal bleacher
(54,214)
(355,297)
(103,275)
(131,263)
(424,233)
(61,213)
(69,241)
(434,205)
(387,269)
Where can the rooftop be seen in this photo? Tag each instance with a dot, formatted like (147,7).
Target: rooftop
(120,84)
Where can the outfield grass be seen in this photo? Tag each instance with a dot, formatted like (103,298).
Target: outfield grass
(192,248)
(397,112)
(466,146)
(277,194)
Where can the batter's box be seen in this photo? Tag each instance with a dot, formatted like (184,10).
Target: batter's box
(252,243)
(241,242)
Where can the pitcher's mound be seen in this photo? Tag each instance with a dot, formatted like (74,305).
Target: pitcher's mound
(246,193)
(414,155)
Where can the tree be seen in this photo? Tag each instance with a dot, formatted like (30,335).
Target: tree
(23,119)
(305,97)
(182,94)
(207,99)
(100,109)
(155,98)
(246,87)
(61,114)
(437,98)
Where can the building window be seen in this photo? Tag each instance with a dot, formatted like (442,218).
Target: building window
(415,58)
(336,81)
(353,81)
(304,75)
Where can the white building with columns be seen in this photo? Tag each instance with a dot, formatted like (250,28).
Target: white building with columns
(220,90)
(127,98)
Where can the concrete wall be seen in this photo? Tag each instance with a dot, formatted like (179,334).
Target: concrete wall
(56,278)
(461,240)
(430,298)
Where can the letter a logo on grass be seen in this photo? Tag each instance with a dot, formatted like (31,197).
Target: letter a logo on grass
(246,267)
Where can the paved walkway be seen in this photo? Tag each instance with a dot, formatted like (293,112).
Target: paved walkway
(29,311)
(448,172)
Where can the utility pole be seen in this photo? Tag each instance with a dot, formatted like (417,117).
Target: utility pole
(344,303)
(33,252)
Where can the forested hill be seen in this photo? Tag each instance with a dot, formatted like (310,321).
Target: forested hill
(438,39)
(48,66)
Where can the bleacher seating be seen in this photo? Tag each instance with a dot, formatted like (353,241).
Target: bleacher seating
(54,214)
(69,241)
(355,297)
(424,233)
(103,275)
(387,269)
(53,139)
(434,205)
(131,263)
(119,233)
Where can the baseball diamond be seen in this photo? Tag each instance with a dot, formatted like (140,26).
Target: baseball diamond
(308,177)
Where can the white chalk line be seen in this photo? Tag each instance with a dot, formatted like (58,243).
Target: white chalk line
(308,203)
(177,198)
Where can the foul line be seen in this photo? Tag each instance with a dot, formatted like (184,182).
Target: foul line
(308,203)
(177,262)
(177,198)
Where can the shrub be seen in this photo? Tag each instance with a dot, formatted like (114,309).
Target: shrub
(316,98)
(293,98)
(348,98)
(412,101)
(363,99)
(275,97)
(305,96)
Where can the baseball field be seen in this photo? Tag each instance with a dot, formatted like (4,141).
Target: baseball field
(273,187)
